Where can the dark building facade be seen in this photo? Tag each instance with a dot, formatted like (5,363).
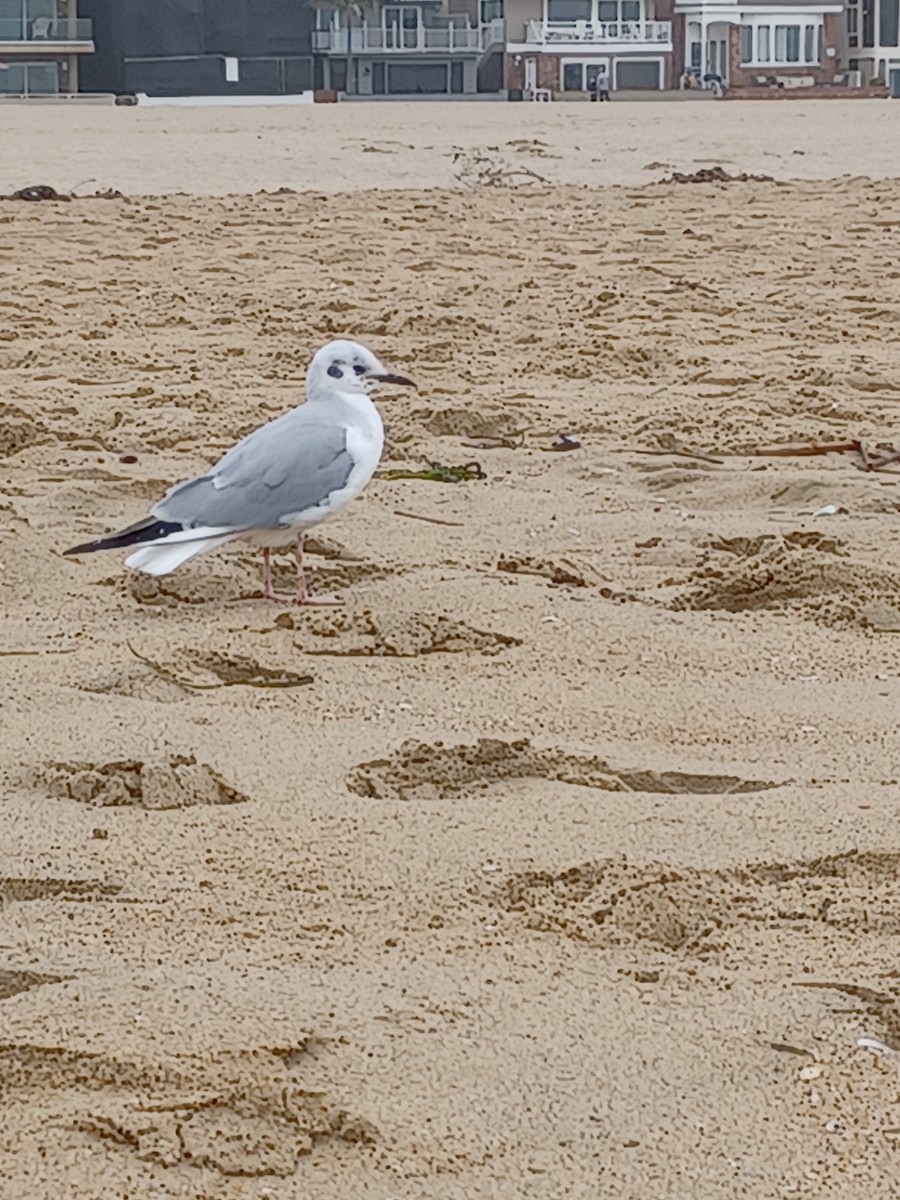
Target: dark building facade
(199,47)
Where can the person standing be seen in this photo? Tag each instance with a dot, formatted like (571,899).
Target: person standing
(601,83)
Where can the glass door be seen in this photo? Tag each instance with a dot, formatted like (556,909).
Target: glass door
(401,27)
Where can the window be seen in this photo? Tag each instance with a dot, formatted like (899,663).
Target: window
(401,27)
(868,22)
(30,79)
(12,79)
(17,17)
(611,11)
(695,55)
(787,43)
(852,20)
(568,10)
(763,53)
(809,38)
(573,77)
(746,43)
(582,76)
(889,23)
(43,79)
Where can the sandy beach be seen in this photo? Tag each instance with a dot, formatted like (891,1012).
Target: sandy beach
(562,860)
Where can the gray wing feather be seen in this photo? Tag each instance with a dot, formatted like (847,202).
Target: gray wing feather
(285,467)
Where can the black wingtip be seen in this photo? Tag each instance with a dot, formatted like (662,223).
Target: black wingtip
(134,535)
(84,548)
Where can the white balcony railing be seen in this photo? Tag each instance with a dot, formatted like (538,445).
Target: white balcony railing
(493,32)
(396,40)
(541,33)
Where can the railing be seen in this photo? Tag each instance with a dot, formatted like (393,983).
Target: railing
(43,29)
(543,32)
(492,33)
(397,40)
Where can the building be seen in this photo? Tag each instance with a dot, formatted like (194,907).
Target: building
(437,47)
(750,42)
(428,48)
(42,43)
(200,47)
(559,45)
(870,39)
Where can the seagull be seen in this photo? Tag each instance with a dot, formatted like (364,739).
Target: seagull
(277,482)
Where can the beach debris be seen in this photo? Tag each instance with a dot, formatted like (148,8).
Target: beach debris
(867,462)
(830,510)
(564,441)
(437,473)
(38,191)
(533,146)
(256,676)
(481,167)
(668,443)
(716,175)
(787,1048)
(876,1047)
(514,440)
(399,512)
(43,191)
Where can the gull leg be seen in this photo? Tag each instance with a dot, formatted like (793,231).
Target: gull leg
(303,596)
(268,594)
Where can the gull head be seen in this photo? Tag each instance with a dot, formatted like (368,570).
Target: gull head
(347,367)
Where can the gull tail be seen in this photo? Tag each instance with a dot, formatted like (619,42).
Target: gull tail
(164,545)
(164,556)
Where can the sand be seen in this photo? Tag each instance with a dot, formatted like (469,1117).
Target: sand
(562,860)
(336,148)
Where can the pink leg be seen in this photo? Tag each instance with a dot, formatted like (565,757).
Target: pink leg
(303,596)
(268,594)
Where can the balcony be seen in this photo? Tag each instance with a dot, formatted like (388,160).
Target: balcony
(457,38)
(622,35)
(45,36)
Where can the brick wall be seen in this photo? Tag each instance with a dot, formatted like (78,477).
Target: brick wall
(548,71)
(823,73)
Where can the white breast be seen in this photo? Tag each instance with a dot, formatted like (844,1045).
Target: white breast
(365,442)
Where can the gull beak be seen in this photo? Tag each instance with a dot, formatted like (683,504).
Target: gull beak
(397,380)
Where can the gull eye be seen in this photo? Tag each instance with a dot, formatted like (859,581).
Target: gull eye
(335,371)
(359,369)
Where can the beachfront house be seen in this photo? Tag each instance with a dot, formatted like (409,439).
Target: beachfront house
(559,45)
(760,43)
(427,48)
(41,43)
(200,47)
(870,38)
